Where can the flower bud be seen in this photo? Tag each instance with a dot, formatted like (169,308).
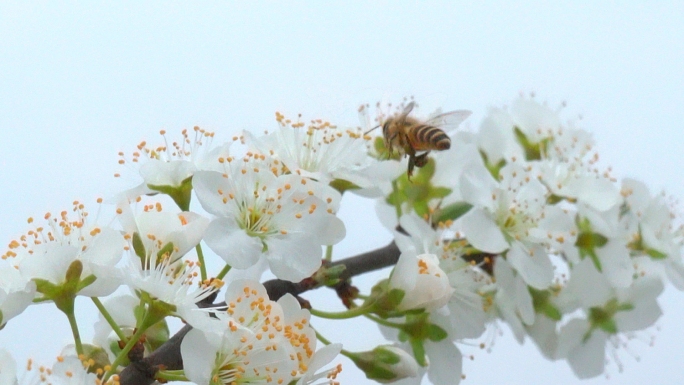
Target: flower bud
(386,363)
(424,283)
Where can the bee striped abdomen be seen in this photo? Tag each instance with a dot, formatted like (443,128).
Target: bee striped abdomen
(431,137)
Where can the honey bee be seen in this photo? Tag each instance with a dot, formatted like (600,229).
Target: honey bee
(410,135)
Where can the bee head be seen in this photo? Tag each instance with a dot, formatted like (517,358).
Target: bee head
(386,127)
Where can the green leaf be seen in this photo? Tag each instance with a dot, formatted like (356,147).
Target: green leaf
(181,194)
(394,298)
(419,191)
(156,335)
(533,151)
(603,317)
(87,281)
(655,254)
(342,185)
(418,351)
(608,326)
(451,212)
(384,301)
(541,300)
(595,259)
(139,248)
(436,333)
(493,168)
(164,251)
(553,199)
(589,240)
(45,287)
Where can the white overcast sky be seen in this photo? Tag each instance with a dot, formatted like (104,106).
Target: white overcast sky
(81,81)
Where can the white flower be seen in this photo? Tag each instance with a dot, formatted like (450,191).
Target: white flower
(318,150)
(502,217)
(558,232)
(170,282)
(260,213)
(513,299)
(47,252)
(223,358)
(498,137)
(652,232)
(543,332)
(16,293)
(8,368)
(158,229)
(609,314)
(170,164)
(495,138)
(71,371)
(321,358)
(463,316)
(424,283)
(446,362)
(450,164)
(583,349)
(68,370)
(562,155)
(613,257)
(255,340)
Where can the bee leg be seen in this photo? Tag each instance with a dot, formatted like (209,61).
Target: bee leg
(411,164)
(422,159)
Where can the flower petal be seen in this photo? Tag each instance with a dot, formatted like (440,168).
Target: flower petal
(233,244)
(482,232)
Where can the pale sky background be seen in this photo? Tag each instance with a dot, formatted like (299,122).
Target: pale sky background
(78,83)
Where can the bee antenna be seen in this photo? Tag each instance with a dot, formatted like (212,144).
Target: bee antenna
(367,132)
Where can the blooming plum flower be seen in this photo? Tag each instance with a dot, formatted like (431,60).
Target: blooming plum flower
(47,253)
(318,150)
(254,339)
(284,218)
(16,293)
(157,230)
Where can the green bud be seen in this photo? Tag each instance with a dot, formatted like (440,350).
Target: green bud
(386,363)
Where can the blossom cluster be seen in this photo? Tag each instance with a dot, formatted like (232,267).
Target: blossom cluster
(514,224)
(529,231)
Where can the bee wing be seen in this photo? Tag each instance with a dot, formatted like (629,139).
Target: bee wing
(408,108)
(449,121)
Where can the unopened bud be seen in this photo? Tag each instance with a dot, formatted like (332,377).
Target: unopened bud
(386,363)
